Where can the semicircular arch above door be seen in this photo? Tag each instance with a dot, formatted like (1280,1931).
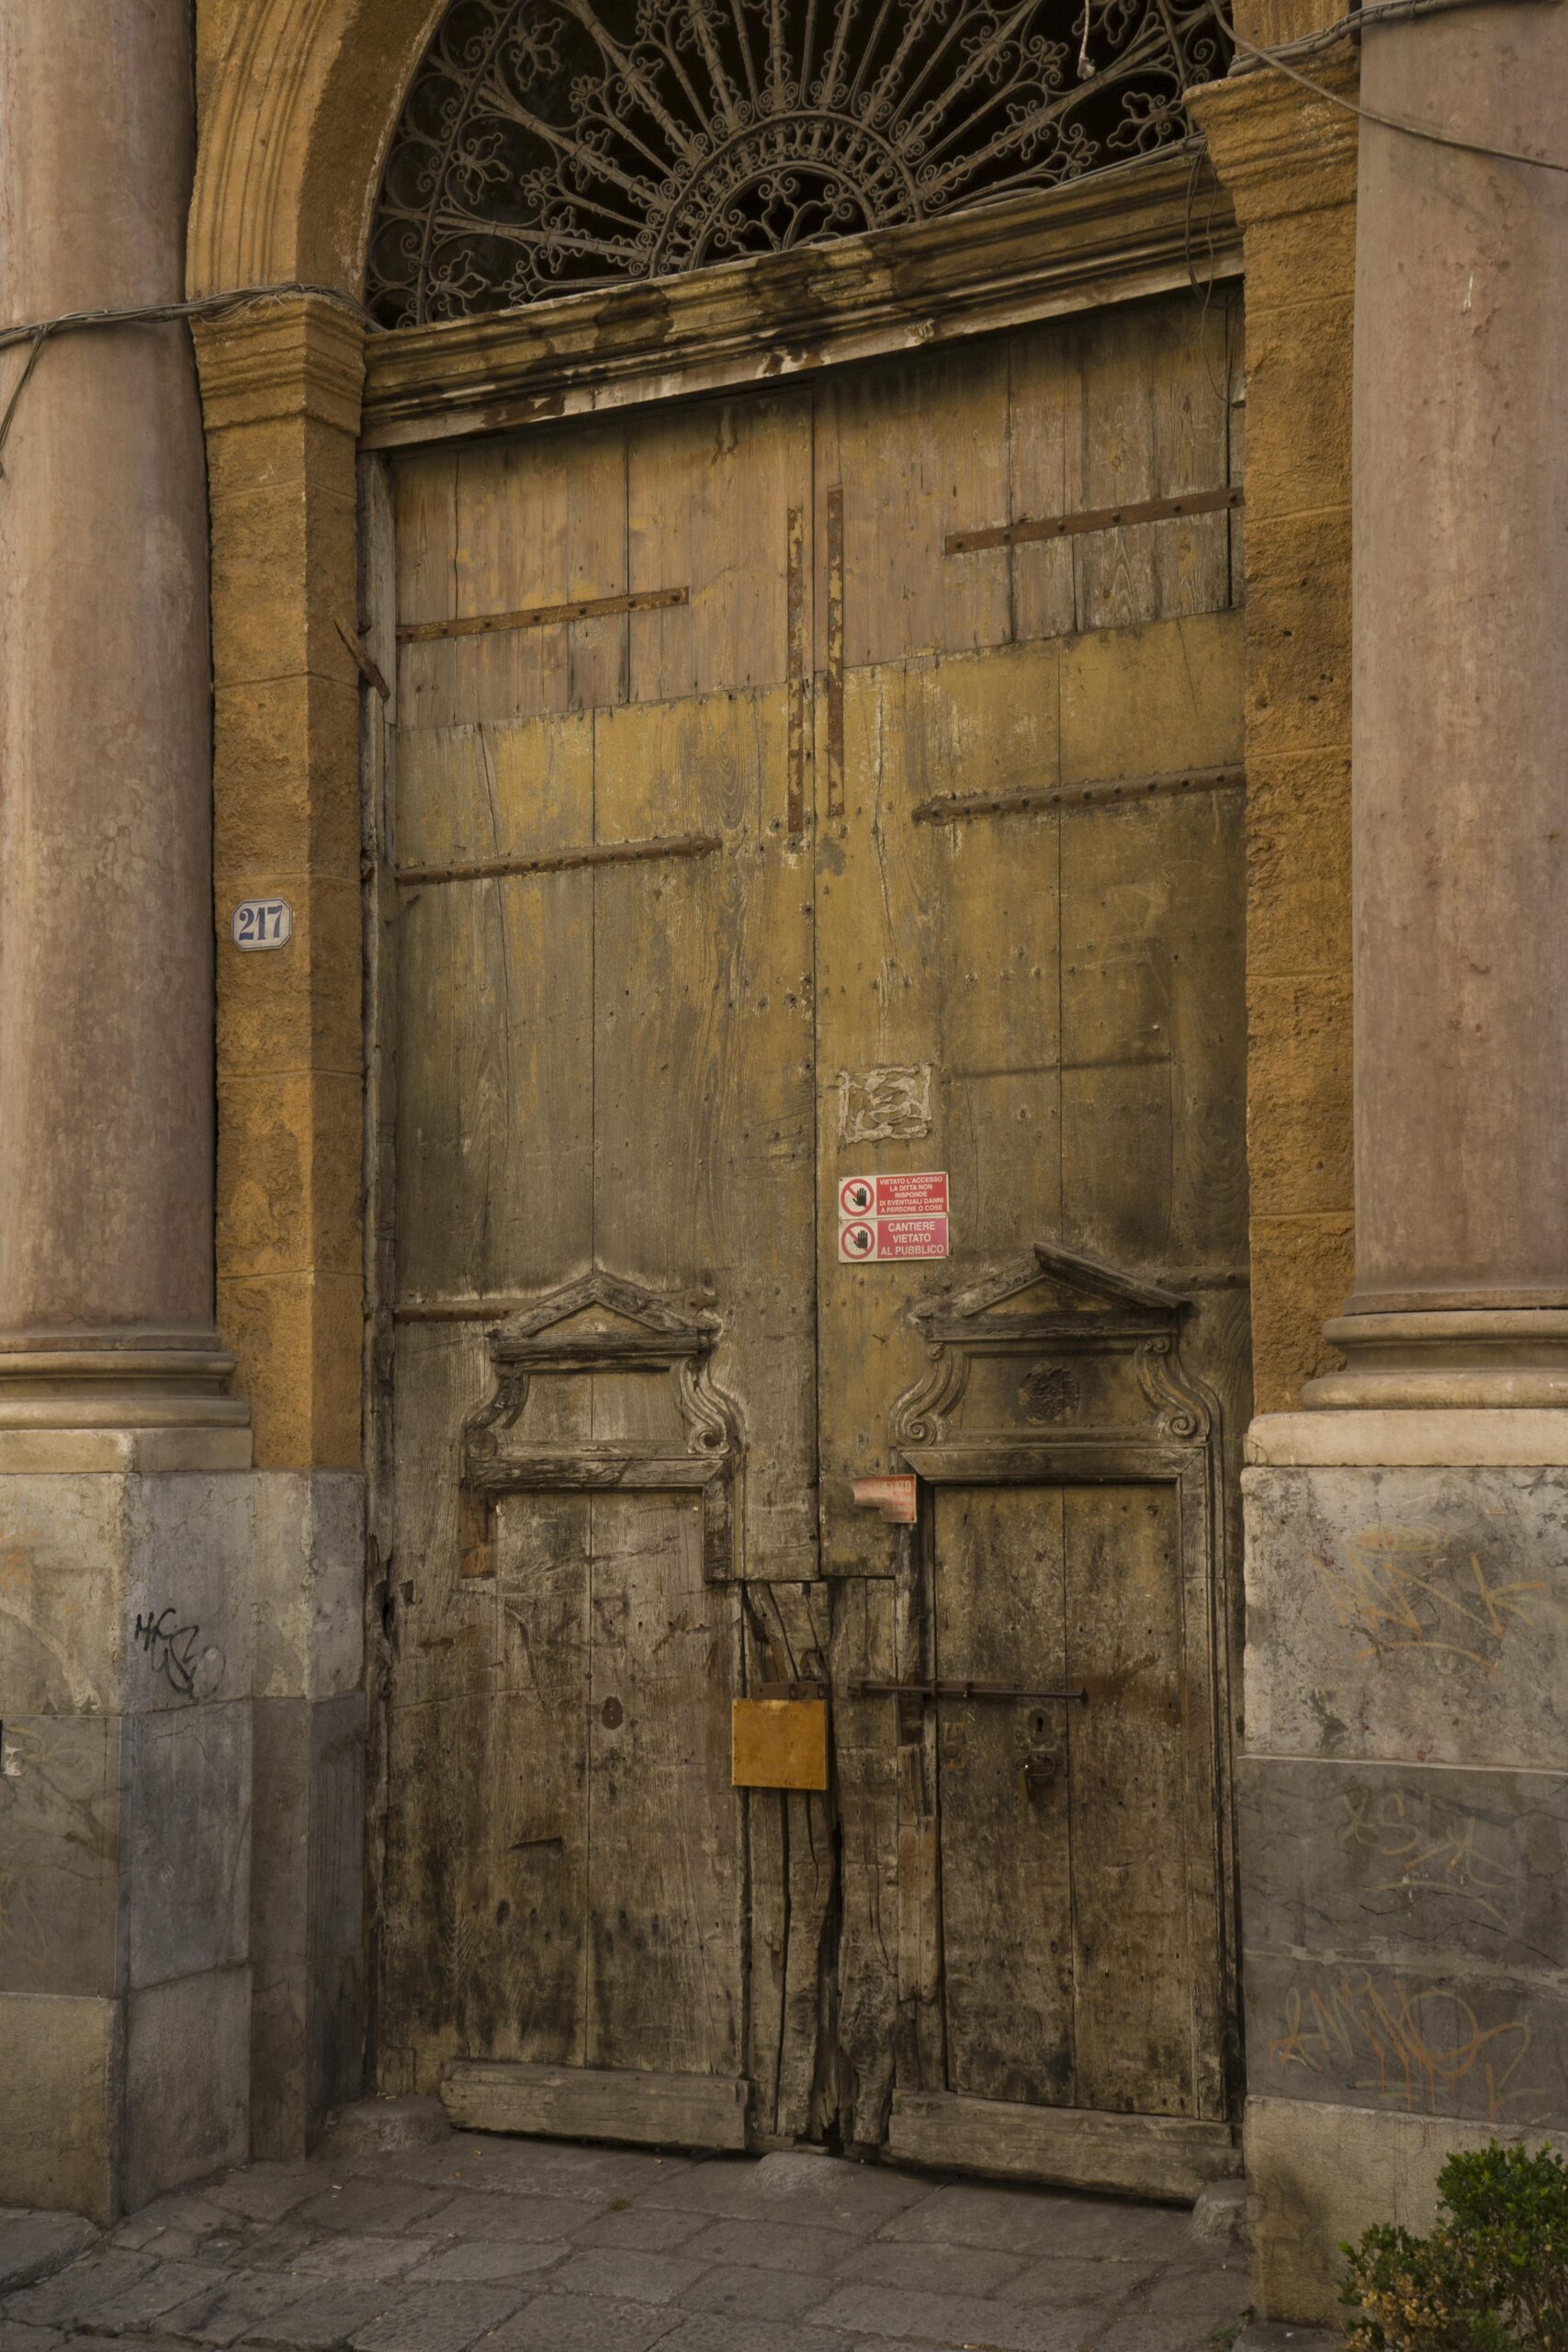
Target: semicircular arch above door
(551,147)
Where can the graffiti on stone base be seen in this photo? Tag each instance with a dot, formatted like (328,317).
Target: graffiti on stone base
(1427,1850)
(1403,1589)
(172,1649)
(1426,2052)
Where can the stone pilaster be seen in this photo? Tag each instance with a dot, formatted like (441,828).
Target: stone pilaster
(1288,161)
(281,388)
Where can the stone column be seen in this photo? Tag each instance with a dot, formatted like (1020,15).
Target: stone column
(106,980)
(1460,741)
(1404,1796)
(127,1513)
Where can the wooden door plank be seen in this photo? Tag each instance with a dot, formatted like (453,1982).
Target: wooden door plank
(649,2108)
(864,1737)
(665,1862)
(1143,2156)
(791,1838)
(1133,1961)
(703,1153)
(1007,1915)
(1153,419)
(919,448)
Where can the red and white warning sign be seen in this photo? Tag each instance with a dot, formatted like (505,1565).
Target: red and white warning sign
(871,1196)
(881,1217)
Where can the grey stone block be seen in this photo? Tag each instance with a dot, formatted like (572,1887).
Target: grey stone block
(188,1842)
(947,2319)
(59,2105)
(581,2323)
(310,1583)
(1025,2222)
(187,2081)
(614,2272)
(952,2269)
(705,2332)
(1277,2335)
(233,2306)
(753,2294)
(490,2261)
(33,2246)
(60,1815)
(187,1611)
(795,2188)
(782,2246)
(378,2208)
(438,2319)
(75,2296)
(15,2335)
(490,2214)
(326,2316)
(648,2230)
(1408,1614)
(371,2126)
(336,1890)
(1219,2216)
(265,2192)
(134,2307)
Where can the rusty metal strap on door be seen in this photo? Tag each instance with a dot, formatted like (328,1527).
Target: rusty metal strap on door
(562,861)
(585,609)
(952,808)
(867,1690)
(1095,518)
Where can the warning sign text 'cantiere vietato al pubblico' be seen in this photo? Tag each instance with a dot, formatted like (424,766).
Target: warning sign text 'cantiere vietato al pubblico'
(882,1217)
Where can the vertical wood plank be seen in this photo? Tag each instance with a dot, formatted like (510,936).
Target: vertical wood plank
(1007,1897)
(1132,1959)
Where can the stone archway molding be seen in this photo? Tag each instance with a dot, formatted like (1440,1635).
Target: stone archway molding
(298,100)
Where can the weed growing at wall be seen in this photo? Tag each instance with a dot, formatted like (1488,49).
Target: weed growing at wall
(1493,2276)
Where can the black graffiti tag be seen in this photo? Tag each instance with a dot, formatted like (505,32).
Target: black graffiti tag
(172,1649)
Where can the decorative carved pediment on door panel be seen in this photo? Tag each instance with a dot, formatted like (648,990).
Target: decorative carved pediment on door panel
(1053,1347)
(604,1386)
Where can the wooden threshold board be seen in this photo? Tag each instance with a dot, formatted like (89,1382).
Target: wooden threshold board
(1167,2156)
(598,2103)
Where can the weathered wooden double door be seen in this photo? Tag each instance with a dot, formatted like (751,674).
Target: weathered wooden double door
(781,796)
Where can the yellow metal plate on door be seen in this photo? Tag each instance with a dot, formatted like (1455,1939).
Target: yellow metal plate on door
(779,1744)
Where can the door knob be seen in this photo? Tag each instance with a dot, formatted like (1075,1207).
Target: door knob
(1038,1773)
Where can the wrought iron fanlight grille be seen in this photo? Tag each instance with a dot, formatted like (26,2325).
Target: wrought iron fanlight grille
(554,146)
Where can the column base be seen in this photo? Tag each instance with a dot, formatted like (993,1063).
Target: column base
(1457,1358)
(181,1656)
(1401,1816)
(142,1380)
(1317,2176)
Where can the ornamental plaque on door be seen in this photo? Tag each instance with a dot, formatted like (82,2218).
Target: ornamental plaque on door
(603,1387)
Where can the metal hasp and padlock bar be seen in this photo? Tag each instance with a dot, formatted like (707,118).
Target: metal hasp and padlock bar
(864,1690)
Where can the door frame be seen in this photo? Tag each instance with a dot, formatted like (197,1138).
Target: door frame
(1116,238)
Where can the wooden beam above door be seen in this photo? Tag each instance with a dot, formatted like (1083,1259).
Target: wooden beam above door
(1113,236)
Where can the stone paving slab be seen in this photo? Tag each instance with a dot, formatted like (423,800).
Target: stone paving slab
(392,2241)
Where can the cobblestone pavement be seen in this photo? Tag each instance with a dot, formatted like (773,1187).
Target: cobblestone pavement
(520,2245)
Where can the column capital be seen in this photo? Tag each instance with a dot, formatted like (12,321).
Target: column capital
(292,355)
(1278,149)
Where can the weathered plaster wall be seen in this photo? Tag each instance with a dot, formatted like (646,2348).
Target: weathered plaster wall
(1288,161)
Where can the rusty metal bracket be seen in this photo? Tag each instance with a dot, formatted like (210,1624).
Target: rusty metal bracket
(1095,518)
(868,1690)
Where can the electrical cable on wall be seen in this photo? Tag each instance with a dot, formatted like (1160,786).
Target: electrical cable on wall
(211,306)
(153,315)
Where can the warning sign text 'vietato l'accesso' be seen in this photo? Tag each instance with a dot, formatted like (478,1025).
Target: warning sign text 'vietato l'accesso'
(882,1217)
(873,1196)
